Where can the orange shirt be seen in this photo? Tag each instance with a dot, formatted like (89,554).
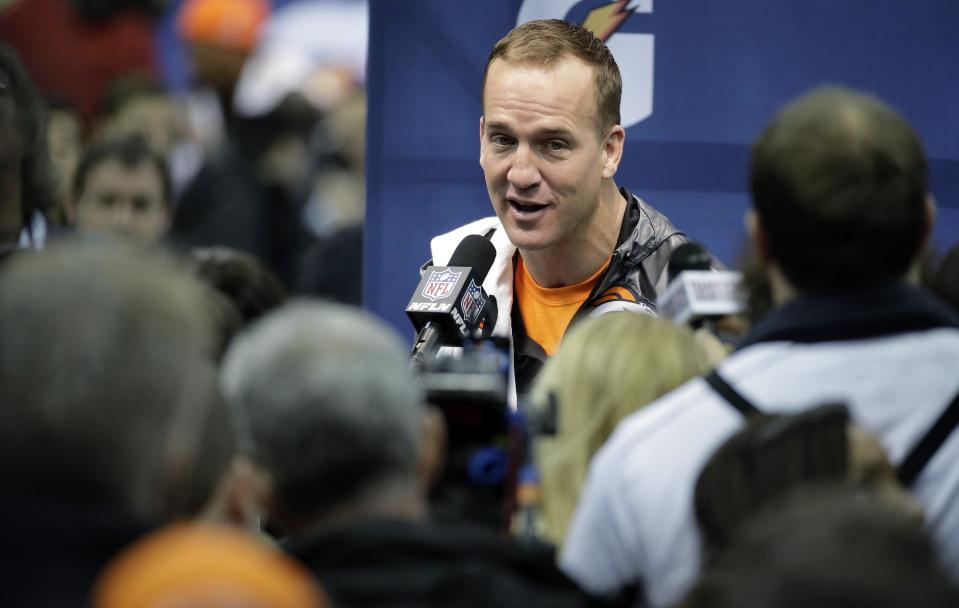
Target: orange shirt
(547,311)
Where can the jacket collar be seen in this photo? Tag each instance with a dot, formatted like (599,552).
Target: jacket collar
(856,314)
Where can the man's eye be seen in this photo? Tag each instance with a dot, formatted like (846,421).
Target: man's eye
(106,201)
(501,140)
(556,145)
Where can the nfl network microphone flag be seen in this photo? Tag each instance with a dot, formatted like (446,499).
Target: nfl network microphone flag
(452,290)
(701,293)
(700,79)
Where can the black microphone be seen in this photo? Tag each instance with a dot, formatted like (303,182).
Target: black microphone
(696,292)
(449,303)
(688,256)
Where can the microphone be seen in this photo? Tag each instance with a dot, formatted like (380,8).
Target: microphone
(449,303)
(695,293)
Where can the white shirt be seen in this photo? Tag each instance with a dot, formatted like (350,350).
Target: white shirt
(635,519)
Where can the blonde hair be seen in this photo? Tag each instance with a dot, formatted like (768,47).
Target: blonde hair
(606,368)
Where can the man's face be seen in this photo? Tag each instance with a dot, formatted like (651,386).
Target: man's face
(11,138)
(541,153)
(124,200)
(64,143)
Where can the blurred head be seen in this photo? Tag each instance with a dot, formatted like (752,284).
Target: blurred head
(326,407)
(839,191)
(606,368)
(122,187)
(242,289)
(139,105)
(775,457)
(107,378)
(242,278)
(205,566)
(24,165)
(221,34)
(833,548)
(65,143)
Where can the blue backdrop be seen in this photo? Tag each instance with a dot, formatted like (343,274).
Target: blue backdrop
(717,71)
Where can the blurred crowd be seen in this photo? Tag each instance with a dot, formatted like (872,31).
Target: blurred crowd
(194,412)
(263,154)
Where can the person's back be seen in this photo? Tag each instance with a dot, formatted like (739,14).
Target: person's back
(840,215)
(422,564)
(332,417)
(107,384)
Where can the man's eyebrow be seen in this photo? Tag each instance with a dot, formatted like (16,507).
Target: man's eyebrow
(495,126)
(555,132)
(547,132)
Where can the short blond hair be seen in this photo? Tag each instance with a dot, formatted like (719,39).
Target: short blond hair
(606,368)
(546,41)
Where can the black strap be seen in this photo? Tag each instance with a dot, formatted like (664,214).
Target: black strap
(742,405)
(917,458)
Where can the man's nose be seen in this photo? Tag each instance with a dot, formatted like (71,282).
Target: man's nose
(523,173)
(123,215)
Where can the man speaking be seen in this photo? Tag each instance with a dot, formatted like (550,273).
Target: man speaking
(569,242)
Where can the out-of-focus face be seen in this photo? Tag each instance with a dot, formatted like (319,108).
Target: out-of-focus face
(870,468)
(122,200)
(541,152)
(11,137)
(64,141)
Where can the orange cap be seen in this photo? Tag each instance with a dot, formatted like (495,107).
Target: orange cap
(205,566)
(230,23)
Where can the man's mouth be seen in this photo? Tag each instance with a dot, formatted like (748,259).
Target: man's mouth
(525,208)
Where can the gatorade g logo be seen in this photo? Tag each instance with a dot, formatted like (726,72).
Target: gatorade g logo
(633,51)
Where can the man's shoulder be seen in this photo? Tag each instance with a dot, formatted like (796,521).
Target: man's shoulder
(644,443)
(651,219)
(675,434)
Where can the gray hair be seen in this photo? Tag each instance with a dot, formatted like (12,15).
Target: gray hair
(105,372)
(324,402)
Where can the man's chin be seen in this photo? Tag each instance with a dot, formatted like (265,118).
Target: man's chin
(525,240)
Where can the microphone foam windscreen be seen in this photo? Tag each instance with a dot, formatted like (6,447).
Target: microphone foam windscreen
(688,256)
(475,252)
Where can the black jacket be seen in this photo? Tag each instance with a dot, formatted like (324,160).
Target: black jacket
(52,547)
(408,564)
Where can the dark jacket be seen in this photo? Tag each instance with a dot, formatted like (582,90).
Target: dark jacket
(409,564)
(52,546)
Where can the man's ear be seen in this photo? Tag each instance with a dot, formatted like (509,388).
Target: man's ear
(932,211)
(482,125)
(613,151)
(757,235)
(432,452)
(243,497)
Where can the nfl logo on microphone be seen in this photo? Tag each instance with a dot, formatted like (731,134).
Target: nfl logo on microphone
(440,284)
(473,302)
